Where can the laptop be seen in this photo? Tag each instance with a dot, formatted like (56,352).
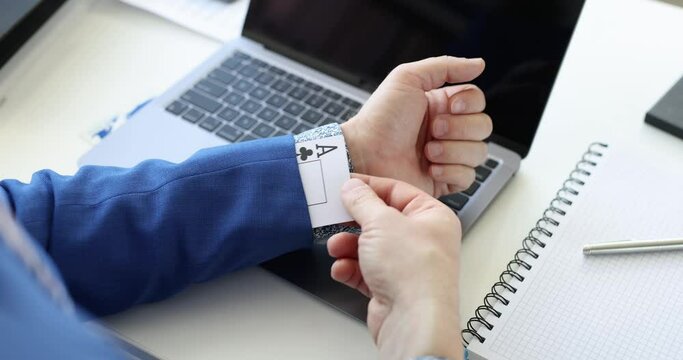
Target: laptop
(304,63)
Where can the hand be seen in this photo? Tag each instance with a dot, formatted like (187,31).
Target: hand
(406,261)
(413,130)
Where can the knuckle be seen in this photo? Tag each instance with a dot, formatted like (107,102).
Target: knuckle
(488,124)
(359,196)
(450,217)
(443,58)
(483,152)
(459,129)
(401,69)
(465,178)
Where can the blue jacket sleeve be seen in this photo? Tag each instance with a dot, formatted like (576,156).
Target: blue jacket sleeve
(120,237)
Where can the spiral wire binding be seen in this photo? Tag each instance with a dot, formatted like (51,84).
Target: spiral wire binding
(530,242)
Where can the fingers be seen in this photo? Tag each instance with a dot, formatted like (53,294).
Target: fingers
(361,202)
(343,245)
(347,272)
(473,127)
(458,177)
(469,101)
(432,73)
(394,193)
(456,99)
(346,268)
(469,153)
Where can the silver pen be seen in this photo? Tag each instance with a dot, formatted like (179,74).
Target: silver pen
(633,246)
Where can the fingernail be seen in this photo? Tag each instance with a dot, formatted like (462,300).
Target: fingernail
(437,170)
(440,128)
(352,184)
(435,149)
(475,59)
(458,107)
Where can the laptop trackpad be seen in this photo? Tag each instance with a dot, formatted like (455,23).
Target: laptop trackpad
(310,270)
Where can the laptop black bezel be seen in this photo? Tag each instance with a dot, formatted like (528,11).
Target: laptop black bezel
(18,35)
(272,44)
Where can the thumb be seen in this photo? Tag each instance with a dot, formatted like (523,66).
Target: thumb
(361,201)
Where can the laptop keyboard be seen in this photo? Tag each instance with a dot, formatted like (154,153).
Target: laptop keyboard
(457,201)
(246,98)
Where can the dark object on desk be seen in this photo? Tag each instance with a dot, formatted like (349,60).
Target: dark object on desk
(20,20)
(673,2)
(667,114)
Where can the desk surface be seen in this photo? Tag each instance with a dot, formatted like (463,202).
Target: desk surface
(624,56)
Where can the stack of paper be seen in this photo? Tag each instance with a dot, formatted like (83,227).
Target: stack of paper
(219,19)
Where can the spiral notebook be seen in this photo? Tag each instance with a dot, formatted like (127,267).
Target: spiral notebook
(552,302)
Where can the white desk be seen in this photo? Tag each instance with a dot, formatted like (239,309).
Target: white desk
(625,55)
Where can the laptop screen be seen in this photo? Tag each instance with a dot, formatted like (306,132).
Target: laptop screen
(360,41)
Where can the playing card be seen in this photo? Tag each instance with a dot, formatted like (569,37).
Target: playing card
(324,169)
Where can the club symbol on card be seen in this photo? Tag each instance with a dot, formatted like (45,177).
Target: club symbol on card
(305,153)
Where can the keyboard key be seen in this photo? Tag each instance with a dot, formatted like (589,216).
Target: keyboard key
(246,122)
(248,137)
(276,70)
(251,106)
(312,116)
(481,173)
(210,88)
(294,108)
(316,101)
(285,122)
(210,124)
(234,99)
(280,133)
(222,76)
(491,164)
(258,63)
(328,121)
(295,78)
(299,93)
(201,101)
(176,108)
(240,55)
(313,86)
(277,101)
(259,93)
(232,63)
(456,201)
(352,103)
(348,114)
(249,71)
(301,128)
(281,85)
(243,86)
(267,114)
(332,95)
(472,189)
(265,78)
(263,130)
(230,133)
(193,115)
(228,114)
(333,109)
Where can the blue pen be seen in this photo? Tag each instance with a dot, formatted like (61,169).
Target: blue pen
(117,121)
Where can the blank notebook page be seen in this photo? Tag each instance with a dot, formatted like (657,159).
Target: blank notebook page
(601,307)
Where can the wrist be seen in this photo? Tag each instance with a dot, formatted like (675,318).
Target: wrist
(354,146)
(428,328)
